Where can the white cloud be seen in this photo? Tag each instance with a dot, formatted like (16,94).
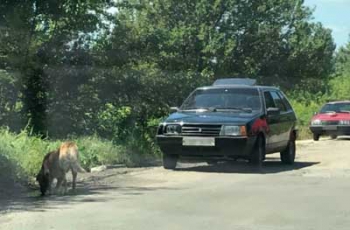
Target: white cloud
(338,29)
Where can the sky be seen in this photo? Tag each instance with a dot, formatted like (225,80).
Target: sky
(335,15)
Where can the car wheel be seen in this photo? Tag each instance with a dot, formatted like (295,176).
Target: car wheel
(334,136)
(316,137)
(258,153)
(288,155)
(169,161)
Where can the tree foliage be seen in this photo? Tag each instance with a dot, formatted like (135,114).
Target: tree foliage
(340,84)
(72,67)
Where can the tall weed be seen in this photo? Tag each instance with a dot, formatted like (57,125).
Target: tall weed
(21,154)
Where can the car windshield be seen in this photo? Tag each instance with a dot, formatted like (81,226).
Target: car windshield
(337,107)
(224,99)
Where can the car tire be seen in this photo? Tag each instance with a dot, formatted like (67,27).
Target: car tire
(288,155)
(169,161)
(258,154)
(316,137)
(334,137)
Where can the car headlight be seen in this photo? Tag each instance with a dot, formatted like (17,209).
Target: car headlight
(316,122)
(233,130)
(344,122)
(172,129)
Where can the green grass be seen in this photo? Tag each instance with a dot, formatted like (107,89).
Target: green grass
(21,155)
(304,133)
(305,110)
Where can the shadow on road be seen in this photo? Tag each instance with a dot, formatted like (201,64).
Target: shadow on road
(243,167)
(343,138)
(92,189)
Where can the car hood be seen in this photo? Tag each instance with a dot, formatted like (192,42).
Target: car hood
(211,118)
(332,116)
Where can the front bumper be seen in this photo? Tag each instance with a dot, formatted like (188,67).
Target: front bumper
(331,130)
(229,147)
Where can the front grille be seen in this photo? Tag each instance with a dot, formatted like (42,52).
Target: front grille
(330,122)
(201,130)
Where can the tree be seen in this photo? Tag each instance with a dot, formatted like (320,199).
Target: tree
(342,60)
(41,35)
(72,63)
(182,44)
(340,84)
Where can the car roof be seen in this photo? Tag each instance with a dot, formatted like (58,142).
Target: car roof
(338,102)
(259,87)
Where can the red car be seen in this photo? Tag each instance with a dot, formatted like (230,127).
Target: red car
(333,120)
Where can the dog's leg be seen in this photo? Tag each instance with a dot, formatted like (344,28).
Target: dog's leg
(59,183)
(64,181)
(74,174)
(50,185)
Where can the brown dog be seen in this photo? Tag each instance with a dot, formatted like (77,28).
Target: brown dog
(56,164)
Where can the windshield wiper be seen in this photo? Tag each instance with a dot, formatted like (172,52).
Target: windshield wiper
(237,109)
(216,109)
(209,109)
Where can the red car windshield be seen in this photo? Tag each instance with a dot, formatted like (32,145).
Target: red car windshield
(337,107)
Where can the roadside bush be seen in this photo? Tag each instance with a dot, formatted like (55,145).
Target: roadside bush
(340,87)
(113,121)
(25,153)
(21,154)
(96,151)
(305,105)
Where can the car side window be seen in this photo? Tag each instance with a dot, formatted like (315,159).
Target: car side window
(269,100)
(278,101)
(285,101)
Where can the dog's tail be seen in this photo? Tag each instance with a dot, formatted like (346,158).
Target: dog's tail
(71,152)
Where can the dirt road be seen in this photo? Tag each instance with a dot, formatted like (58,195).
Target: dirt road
(312,194)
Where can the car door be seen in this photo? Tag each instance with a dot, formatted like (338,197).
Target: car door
(272,136)
(288,117)
(284,121)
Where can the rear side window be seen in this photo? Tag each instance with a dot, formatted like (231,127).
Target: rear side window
(269,100)
(278,101)
(285,101)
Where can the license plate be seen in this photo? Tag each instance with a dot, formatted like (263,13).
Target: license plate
(330,127)
(198,141)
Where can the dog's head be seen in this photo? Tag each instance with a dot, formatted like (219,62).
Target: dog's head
(43,178)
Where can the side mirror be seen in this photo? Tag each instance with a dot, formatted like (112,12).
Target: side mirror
(273,111)
(174,109)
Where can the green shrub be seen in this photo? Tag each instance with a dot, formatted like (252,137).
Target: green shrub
(305,105)
(96,151)
(21,154)
(340,87)
(25,153)
(305,111)
(113,121)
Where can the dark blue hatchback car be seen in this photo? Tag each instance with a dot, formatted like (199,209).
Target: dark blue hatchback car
(229,120)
